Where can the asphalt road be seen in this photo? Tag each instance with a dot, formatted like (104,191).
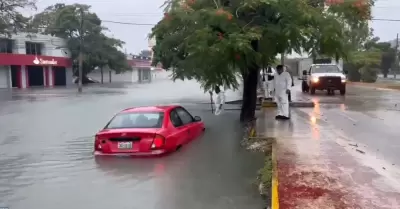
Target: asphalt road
(46,159)
(366,116)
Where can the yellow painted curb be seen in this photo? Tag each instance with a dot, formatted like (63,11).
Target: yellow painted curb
(275,193)
(268,104)
(252,132)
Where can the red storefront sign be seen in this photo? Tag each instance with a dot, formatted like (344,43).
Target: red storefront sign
(25,59)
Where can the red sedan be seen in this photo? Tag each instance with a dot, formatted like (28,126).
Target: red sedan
(143,131)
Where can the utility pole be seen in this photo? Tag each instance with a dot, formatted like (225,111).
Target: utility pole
(396,60)
(283,58)
(80,70)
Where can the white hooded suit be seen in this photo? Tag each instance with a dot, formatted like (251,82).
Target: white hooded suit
(280,84)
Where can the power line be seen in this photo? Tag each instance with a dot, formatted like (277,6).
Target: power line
(127,23)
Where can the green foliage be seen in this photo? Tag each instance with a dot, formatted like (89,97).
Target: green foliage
(11,20)
(371,57)
(369,74)
(75,23)
(214,41)
(367,60)
(353,72)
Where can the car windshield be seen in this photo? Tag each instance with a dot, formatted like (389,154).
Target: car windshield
(325,69)
(136,120)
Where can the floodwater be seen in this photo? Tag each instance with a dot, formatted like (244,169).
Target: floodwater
(46,155)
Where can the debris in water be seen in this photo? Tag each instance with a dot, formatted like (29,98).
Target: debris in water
(354,145)
(360,151)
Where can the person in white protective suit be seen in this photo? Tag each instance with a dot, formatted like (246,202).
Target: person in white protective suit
(219,100)
(281,88)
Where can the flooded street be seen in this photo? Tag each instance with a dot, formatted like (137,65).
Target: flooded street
(47,142)
(46,158)
(368,117)
(343,153)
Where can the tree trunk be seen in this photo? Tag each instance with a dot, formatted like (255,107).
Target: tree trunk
(250,82)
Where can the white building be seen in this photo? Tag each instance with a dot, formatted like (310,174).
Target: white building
(34,60)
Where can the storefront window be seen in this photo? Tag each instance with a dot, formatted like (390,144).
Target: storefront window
(33,48)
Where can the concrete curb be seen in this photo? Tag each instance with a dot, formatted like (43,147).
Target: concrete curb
(292,104)
(390,87)
(274,183)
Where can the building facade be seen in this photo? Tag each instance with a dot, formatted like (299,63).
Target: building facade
(28,60)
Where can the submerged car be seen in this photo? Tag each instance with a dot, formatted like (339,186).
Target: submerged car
(324,77)
(147,131)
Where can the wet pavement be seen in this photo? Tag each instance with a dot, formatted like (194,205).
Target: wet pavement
(46,155)
(343,153)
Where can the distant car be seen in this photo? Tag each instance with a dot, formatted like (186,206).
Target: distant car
(324,77)
(86,80)
(148,131)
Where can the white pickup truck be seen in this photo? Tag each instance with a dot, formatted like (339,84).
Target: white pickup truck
(324,77)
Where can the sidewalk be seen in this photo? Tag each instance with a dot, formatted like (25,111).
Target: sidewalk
(316,168)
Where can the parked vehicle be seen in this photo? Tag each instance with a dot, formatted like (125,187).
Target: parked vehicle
(147,131)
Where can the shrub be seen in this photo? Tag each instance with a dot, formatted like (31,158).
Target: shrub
(368,74)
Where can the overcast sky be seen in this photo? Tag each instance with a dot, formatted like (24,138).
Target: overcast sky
(149,12)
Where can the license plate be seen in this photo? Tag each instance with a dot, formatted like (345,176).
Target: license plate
(330,81)
(124,145)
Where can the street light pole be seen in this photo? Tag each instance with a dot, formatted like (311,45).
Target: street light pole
(396,60)
(80,69)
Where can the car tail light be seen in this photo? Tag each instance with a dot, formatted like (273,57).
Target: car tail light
(158,142)
(98,143)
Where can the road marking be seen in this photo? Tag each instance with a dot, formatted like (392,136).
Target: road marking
(348,117)
(275,194)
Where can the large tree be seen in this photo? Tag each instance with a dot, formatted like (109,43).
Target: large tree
(80,27)
(11,20)
(388,53)
(215,41)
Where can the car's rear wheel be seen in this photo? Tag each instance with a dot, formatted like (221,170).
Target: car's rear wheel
(342,92)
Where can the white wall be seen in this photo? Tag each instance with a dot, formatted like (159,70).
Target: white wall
(122,77)
(5,76)
(52,46)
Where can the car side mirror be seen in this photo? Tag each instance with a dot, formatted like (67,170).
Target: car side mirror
(197,118)
(345,72)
